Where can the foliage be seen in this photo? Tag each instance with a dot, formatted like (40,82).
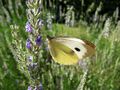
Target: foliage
(104,67)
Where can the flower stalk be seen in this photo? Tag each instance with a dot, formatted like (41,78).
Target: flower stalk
(34,41)
(29,54)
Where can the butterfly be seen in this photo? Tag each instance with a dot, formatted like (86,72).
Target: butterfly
(68,51)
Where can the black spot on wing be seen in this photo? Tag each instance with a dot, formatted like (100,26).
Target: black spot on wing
(77,49)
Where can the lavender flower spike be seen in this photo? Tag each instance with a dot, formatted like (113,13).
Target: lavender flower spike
(38,40)
(28,27)
(28,44)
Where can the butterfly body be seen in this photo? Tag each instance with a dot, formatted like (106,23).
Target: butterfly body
(68,51)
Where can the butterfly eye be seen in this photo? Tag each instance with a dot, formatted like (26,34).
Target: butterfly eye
(77,49)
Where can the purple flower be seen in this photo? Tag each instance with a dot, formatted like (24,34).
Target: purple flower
(29,88)
(38,40)
(28,44)
(28,27)
(40,87)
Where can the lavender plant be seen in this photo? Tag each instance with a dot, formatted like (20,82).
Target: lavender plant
(116,14)
(96,16)
(84,65)
(106,30)
(29,57)
(70,18)
(49,21)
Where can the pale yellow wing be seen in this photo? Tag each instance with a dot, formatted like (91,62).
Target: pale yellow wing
(62,54)
(69,51)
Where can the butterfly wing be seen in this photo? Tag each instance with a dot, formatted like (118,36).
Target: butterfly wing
(75,44)
(62,54)
(69,51)
(90,48)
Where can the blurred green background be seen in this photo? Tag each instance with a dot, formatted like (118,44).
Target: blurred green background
(95,20)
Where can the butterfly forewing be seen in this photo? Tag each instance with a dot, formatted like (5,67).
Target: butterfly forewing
(62,54)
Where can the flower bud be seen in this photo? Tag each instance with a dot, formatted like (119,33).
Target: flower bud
(38,40)
(28,44)
(28,27)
